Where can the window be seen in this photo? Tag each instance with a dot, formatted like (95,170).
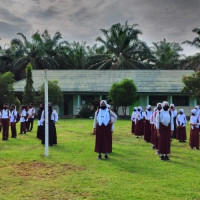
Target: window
(153,100)
(180,100)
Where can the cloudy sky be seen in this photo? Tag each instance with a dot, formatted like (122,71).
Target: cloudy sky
(80,20)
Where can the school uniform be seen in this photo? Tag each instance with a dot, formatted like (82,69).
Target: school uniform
(31,114)
(133,116)
(194,132)
(13,119)
(181,129)
(154,138)
(164,123)
(147,126)
(23,119)
(5,120)
(53,118)
(40,129)
(174,114)
(102,119)
(139,124)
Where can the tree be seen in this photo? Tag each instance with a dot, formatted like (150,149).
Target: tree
(166,54)
(123,94)
(55,93)
(123,49)
(40,52)
(192,84)
(29,91)
(6,88)
(193,62)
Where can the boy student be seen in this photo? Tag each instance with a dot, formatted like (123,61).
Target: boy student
(31,115)
(5,120)
(13,120)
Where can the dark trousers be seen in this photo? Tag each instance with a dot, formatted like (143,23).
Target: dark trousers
(23,127)
(13,130)
(30,124)
(5,124)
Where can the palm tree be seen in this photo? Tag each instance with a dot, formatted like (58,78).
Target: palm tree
(37,52)
(167,54)
(192,62)
(123,49)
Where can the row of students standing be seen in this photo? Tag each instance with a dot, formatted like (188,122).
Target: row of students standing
(9,117)
(159,126)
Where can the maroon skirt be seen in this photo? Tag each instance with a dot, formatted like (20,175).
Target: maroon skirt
(181,133)
(147,131)
(133,127)
(164,139)
(139,128)
(194,138)
(103,142)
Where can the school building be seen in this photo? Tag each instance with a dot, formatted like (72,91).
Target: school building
(81,87)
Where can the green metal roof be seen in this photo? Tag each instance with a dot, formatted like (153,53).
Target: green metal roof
(147,81)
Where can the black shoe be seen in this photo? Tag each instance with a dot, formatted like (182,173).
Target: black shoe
(99,157)
(19,133)
(184,141)
(162,157)
(137,137)
(153,147)
(4,139)
(166,158)
(106,157)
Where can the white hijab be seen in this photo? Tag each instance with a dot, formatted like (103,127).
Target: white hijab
(103,115)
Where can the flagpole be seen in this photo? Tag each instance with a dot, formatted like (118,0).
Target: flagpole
(46,113)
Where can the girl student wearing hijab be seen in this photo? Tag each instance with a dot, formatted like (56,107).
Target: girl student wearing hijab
(102,129)
(147,126)
(40,128)
(139,125)
(133,116)
(165,127)
(194,130)
(181,130)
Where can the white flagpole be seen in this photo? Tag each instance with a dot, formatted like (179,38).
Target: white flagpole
(46,113)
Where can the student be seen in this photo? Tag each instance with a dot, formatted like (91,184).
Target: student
(5,119)
(165,127)
(40,129)
(31,116)
(26,118)
(23,119)
(53,118)
(147,126)
(133,116)
(102,129)
(194,130)
(181,123)
(13,120)
(139,125)
(174,114)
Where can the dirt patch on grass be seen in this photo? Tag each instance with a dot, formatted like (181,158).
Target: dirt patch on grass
(43,170)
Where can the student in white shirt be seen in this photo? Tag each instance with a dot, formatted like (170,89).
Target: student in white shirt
(181,123)
(53,118)
(174,114)
(147,126)
(133,116)
(102,129)
(13,119)
(165,127)
(31,117)
(194,130)
(5,120)
(23,118)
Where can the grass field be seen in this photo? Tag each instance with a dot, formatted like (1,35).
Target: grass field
(72,170)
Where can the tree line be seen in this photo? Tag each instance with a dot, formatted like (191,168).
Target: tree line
(119,48)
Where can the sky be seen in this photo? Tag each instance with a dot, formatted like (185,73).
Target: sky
(81,20)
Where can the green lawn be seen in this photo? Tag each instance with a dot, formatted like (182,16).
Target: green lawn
(72,170)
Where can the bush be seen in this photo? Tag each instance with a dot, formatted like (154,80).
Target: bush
(85,112)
